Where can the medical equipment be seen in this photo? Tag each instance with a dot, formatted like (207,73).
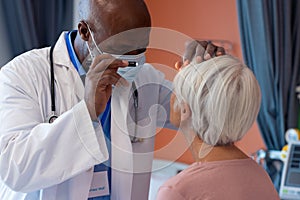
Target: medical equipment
(292,134)
(132,64)
(53,116)
(133,138)
(290,179)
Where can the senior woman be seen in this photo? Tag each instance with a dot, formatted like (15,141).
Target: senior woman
(216,103)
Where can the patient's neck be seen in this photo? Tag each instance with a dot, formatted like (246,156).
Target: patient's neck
(207,153)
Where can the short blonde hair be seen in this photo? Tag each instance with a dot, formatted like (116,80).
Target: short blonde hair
(224,98)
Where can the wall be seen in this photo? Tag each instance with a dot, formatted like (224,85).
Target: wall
(202,19)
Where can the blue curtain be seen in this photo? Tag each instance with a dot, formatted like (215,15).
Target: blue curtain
(35,23)
(270,37)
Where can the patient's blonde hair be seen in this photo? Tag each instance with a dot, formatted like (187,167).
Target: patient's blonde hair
(224,98)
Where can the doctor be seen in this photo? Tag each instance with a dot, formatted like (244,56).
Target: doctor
(71,126)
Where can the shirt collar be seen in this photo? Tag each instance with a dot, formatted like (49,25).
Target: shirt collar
(70,36)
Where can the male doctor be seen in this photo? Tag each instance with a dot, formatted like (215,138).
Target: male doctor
(100,145)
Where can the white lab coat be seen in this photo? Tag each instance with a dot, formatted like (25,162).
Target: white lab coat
(55,161)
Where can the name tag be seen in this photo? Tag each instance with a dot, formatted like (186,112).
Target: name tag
(99,186)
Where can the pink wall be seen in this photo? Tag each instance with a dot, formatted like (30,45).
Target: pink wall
(207,19)
(203,19)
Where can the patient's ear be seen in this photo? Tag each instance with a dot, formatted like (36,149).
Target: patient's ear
(185,112)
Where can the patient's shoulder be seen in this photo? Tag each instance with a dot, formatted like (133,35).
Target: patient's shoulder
(229,179)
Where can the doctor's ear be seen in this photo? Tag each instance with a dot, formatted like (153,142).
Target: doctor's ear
(83,30)
(185,112)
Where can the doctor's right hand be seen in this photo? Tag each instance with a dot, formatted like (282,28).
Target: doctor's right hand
(99,80)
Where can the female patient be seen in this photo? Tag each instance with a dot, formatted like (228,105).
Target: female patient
(217,102)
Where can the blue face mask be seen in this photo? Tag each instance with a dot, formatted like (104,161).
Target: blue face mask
(129,73)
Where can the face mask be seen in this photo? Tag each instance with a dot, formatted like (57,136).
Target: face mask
(128,73)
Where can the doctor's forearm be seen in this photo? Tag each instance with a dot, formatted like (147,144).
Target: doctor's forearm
(47,156)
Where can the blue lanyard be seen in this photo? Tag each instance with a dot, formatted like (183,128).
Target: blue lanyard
(73,57)
(105,119)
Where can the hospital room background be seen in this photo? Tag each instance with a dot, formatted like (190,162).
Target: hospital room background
(265,34)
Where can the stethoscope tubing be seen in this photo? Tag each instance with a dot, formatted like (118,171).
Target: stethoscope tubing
(52,88)
(52,80)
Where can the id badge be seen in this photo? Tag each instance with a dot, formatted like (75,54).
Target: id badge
(99,186)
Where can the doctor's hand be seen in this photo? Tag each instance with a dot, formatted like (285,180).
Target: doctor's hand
(98,82)
(200,51)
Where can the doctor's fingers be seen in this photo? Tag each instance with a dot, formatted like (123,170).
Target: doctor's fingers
(213,50)
(193,49)
(189,52)
(220,51)
(104,62)
(200,51)
(111,78)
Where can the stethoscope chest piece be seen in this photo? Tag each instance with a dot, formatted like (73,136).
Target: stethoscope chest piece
(52,118)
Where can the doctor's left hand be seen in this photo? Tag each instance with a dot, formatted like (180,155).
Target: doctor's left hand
(98,82)
(200,51)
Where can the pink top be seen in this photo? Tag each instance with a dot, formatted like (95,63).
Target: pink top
(241,179)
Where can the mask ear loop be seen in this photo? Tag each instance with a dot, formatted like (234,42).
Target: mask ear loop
(89,49)
(93,39)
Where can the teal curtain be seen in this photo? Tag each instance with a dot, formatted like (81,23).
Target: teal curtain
(35,23)
(270,37)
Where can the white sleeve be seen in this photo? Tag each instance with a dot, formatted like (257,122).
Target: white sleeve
(35,155)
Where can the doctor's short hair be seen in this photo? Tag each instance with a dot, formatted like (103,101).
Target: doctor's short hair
(84,7)
(223,95)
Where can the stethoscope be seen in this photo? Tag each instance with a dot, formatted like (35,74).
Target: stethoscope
(134,138)
(53,116)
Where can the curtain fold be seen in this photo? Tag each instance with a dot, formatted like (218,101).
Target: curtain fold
(35,23)
(270,40)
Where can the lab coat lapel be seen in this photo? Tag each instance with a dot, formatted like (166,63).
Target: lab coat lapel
(78,88)
(122,163)
(66,73)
